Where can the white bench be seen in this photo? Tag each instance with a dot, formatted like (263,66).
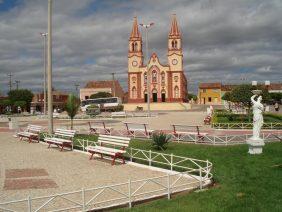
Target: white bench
(113,146)
(121,114)
(61,138)
(99,128)
(138,129)
(32,132)
(180,131)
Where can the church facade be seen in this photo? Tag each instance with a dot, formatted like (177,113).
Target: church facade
(168,82)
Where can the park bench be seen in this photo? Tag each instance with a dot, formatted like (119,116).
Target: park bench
(113,146)
(137,129)
(61,138)
(207,120)
(121,114)
(32,132)
(191,131)
(99,128)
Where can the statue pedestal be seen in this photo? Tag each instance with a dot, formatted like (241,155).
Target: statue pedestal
(255,145)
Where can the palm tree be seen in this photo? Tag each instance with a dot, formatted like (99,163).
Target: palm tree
(72,107)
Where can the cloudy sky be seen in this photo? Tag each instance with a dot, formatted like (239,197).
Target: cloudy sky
(223,40)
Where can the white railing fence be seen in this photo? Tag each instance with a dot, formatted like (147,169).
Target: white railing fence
(183,174)
(225,139)
(272,126)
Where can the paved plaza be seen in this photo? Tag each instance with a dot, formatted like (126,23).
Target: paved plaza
(32,169)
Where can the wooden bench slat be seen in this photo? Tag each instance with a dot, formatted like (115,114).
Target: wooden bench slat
(115,137)
(113,143)
(31,132)
(106,145)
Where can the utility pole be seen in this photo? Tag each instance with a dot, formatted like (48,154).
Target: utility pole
(76,88)
(10,81)
(17,84)
(44,35)
(147,26)
(49,68)
(114,85)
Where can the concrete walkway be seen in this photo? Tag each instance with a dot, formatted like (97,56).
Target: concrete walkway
(32,169)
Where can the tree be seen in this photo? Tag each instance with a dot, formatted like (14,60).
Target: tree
(21,95)
(242,94)
(192,96)
(100,95)
(276,97)
(21,104)
(5,103)
(72,107)
(227,97)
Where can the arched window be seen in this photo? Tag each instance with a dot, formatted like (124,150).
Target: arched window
(145,77)
(154,76)
(172,44)
(163,77)
(134,93)
(135,46)
(176,92)
(175,44)
(132,47)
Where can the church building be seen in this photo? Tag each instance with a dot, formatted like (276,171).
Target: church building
(167,81)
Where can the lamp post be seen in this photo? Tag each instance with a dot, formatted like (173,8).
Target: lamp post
(49,69)
(114,85)
(44,35)
(147,26)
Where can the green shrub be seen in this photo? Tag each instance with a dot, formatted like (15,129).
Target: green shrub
(160,141)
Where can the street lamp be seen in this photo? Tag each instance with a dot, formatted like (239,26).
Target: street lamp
(147,26)
(49,69)
(44,35)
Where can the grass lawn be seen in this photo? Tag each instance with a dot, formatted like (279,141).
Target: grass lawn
(242,182)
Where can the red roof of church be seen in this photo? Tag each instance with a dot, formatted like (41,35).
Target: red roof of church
(174,30)
(135,31)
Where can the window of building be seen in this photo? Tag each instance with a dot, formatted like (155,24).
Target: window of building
(163,77)
(134,93)
(176,92)
(145,77)
(209,99)
(135,46)
(154,76)
(204,90)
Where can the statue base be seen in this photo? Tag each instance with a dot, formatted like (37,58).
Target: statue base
(255,145)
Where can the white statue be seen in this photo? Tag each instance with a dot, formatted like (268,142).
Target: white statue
(257,118)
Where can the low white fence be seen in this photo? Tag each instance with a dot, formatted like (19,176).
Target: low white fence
(225,139)
(228,139)
(271,126)
(194,174)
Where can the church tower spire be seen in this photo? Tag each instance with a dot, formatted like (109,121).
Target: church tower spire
(135,30)
(175,56)
(174,30)
(135,54)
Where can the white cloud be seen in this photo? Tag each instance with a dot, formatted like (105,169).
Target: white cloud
(222,39)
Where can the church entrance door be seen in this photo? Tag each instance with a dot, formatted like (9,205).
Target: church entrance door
(145,97)
(155,95)
(163,97)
